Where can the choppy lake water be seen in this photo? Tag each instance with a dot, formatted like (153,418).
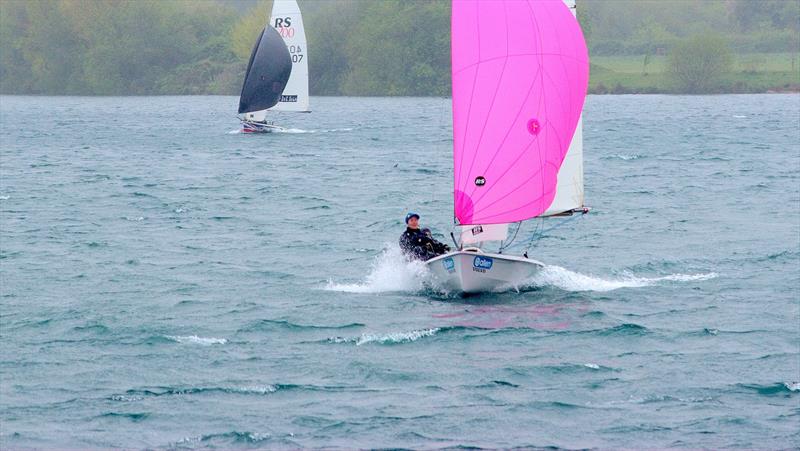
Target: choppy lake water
(169,283)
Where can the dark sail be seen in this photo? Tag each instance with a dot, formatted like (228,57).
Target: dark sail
(267,72)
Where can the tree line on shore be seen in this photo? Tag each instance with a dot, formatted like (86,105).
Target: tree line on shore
(356,47)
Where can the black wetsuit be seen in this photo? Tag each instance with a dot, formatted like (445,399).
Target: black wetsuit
(417,245)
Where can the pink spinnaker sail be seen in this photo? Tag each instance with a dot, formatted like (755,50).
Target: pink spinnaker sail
(520,73)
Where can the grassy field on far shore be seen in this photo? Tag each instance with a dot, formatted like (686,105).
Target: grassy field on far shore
(752,72)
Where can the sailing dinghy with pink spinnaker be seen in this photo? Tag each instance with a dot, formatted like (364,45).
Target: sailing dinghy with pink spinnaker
(520,73)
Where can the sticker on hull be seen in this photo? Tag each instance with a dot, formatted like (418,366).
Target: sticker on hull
(481,264)
(449,264)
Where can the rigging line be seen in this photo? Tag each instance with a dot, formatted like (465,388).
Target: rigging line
(510,242)
(533,237)
(539,231)
(569,219)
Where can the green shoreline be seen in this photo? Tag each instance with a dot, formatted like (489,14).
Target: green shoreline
(754,73)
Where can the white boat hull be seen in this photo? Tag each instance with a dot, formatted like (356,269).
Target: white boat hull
(474,271)
(259,127)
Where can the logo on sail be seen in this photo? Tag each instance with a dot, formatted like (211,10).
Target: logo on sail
(480,181)
(534,127)
(476,230)
(482,264)
(283,22)
(285,98)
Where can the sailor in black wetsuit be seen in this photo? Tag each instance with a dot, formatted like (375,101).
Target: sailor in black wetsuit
(417,244)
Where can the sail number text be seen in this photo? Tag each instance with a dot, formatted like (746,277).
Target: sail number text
(296,52)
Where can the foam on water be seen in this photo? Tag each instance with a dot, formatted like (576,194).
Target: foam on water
(565,279)
(226,438)
(390,272)
(624,157)
(194,339)
(390,338)
(123,398)
(300,130)
(292,130)
(255,390)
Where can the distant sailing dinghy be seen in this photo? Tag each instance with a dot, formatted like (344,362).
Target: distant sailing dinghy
(519,85)
(267,73)
(288,22)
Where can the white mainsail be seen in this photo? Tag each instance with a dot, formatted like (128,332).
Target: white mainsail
(569,190)
(287,20)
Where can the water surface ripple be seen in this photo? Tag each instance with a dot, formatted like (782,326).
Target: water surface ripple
(167,283)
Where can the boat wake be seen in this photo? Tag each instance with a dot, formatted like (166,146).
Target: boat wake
(390,272)
(299,130)
(558,277)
